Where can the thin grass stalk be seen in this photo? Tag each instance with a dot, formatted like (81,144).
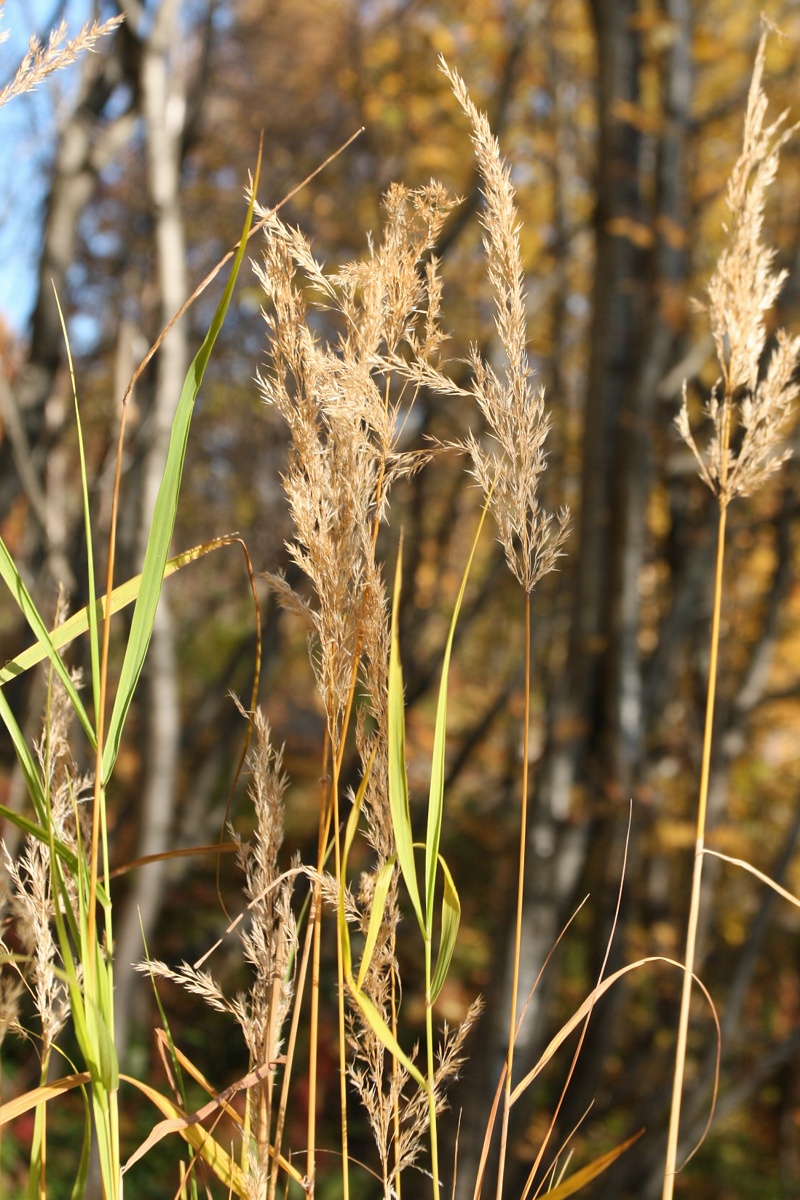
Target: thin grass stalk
(315,932)
(338,758)
(331,812)
(97,991)
(758,397)
(396,1113)
(291,1045)
(697,874)
(523,839)
(434,1138)
(99,824)
(337,850)
(329,808)
(40,1127)
(577,1052)
(98,798)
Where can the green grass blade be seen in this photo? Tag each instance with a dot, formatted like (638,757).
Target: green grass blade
(26,761)
(436,796)
(451,918)
(355,811)
(34,1188)
(40,828)
(97,1023)
(121,597)
(30,828)
(163,521)
(398,779)
(103,1024)
(15,584)
(66,855)
(79,1190)
(385,1035)
(94,639)
(382,884)
(61,904)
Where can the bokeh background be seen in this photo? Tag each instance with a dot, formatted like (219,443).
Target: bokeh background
(123,184)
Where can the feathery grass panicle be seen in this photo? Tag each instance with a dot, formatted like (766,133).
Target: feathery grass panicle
(509,471)
(40,61)
(32,908)
(400,1119)
(344,417)
(11,983)
(379,1089)
(269,944)
(743,289)
(269,940)
(29,873)
(346,400)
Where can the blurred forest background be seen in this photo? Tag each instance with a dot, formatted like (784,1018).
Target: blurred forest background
(622,120)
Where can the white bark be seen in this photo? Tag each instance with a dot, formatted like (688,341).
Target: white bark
(163,105)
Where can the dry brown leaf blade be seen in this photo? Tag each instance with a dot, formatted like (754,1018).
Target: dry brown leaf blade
(182,1121)
(569,1187)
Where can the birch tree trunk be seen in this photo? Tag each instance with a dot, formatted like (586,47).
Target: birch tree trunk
(163,100)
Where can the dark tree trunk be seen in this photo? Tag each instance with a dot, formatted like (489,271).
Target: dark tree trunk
(594,751)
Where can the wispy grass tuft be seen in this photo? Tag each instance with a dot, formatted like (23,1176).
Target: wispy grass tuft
(41,61)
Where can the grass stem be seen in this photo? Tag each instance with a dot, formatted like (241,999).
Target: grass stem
(523,838)
(697,874)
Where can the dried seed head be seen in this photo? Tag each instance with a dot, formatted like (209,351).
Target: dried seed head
(41,61)
(756,402)
(345,416)
(510,467)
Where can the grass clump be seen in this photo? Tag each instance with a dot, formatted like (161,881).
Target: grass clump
(347,398)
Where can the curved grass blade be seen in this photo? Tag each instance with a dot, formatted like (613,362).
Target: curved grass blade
(27,764)
(15,584)
(451,918)
(580,1013)
(121,597)
(188,1126)
(382,884)
(568,1187)
(436,795)
(94,639)
(40,1095)
(163,521)
(68,856)
(398,779)
(220,1161)
(384,1034)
